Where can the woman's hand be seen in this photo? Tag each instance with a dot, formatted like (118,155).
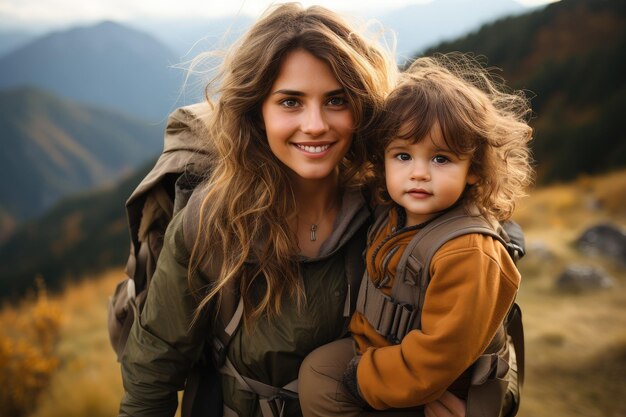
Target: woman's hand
(448,405)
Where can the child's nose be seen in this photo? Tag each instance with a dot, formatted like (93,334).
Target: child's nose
(314,122)
(420,171)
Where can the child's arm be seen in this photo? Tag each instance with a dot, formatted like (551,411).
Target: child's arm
(473,284)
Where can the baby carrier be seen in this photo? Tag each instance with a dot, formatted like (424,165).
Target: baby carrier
(396,315)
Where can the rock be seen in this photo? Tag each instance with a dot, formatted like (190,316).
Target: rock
(604,239)
(581,278)
(593,203)
(537,249)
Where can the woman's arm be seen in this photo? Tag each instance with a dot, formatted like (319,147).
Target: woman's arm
(161,348)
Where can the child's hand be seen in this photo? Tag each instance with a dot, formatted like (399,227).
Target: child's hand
(350,383)
(448,405)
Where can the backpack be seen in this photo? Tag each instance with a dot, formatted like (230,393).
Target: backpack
(395,315)
(165,190)
(161,194)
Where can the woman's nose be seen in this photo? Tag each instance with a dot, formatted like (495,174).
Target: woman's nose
(314,122)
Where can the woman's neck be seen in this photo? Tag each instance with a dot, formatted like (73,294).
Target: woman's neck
(314,198)
(317,205)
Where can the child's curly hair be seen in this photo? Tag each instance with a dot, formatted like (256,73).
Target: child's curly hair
(477,116)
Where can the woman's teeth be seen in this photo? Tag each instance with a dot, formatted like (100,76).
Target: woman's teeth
(313,149)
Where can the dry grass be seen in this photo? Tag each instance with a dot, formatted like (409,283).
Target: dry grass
(575,343)
(28,354)
(88,382)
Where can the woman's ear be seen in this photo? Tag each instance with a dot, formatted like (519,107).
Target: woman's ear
(472,178)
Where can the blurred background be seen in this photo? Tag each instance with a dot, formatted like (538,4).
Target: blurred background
(85,90)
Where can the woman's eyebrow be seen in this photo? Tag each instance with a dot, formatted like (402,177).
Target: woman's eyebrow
(297,93)
(289,92)
(336,92)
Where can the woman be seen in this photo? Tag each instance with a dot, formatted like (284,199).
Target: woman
(280,215)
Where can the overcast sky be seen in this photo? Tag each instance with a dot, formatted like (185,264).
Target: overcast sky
(60,12)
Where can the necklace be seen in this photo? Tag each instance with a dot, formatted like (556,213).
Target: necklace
(315,226)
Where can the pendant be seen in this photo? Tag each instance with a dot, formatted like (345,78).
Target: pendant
(313,230)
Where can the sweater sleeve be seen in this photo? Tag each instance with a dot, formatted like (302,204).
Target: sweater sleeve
(161,348)
(473,284)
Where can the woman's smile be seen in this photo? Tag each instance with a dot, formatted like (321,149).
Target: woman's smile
(314,148)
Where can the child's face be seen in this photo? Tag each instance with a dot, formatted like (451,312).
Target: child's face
(425,177)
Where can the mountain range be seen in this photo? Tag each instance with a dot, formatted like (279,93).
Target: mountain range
(108,65)
(139,67)
(53,147)
(417,25)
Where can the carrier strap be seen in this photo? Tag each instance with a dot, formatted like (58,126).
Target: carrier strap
(488,386)
(271,399)
(389,318)
(515,329)
(396,315)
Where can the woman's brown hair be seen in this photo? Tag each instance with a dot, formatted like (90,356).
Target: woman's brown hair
(248,195)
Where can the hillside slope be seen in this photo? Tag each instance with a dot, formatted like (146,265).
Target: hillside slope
(53,147)
(82,234)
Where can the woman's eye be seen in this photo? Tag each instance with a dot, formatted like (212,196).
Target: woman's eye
(403,157)
(440,159)
(289,102)
(337,101)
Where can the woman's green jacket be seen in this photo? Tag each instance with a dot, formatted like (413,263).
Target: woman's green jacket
(163,347)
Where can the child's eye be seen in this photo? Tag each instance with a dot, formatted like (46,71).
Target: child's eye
(289,103)
(403,156)
(440,159)
(337,101)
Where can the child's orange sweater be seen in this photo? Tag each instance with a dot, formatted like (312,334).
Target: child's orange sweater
(473,284)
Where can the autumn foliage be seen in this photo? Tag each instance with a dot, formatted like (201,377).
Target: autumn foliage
(28,358)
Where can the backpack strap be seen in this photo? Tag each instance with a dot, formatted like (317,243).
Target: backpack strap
(229,317)
(488,388)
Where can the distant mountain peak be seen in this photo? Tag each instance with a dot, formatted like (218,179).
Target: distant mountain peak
(107,64)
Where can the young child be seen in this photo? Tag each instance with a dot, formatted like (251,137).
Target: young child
(452,139)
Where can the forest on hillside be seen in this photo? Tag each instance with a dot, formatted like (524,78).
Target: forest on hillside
(570,58)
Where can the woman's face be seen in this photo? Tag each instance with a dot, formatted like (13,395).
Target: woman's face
(307,118)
